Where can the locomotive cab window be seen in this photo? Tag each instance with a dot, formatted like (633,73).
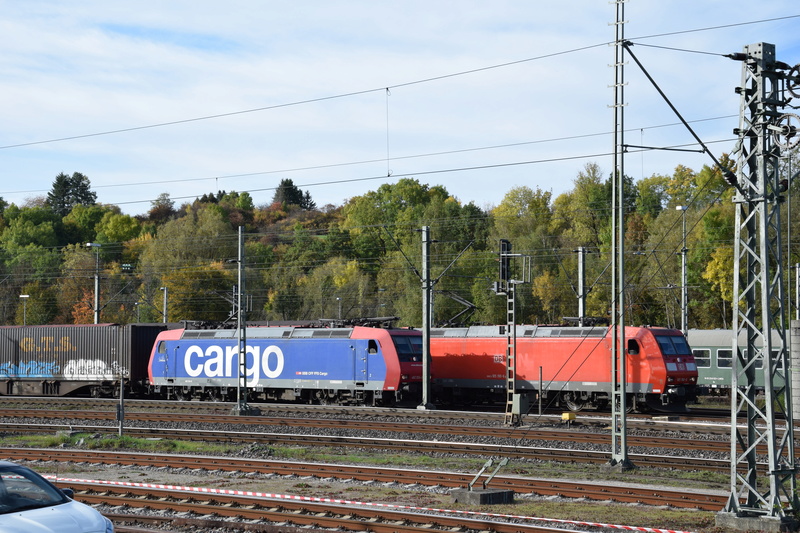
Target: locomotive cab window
(409,348)
(162,347)
(633,347)
(372,347)
(673,345)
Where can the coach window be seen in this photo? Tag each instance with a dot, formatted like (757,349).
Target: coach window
(724,358)
(702,358)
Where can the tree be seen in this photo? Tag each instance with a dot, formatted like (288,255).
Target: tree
(115,227)
(583,215)
(30,225)
(197,293)
(162,208)
(652,196)
(288,194)
(522,213)
(80,225)
(69,191)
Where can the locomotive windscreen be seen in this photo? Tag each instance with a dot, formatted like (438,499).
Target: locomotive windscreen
(409,348)
(673,345)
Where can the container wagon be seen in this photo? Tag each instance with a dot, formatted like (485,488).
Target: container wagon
(80,359)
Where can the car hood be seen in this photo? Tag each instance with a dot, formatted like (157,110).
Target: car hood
(72,517)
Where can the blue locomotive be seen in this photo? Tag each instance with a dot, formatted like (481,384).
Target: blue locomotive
(354,365)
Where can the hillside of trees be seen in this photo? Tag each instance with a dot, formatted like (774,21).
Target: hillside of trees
(362,258)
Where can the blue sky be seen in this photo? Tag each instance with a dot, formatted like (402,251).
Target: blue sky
(482,97)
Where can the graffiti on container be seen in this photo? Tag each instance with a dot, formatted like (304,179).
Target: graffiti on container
(46,345)
(29,369)
(76,369)
(92,369)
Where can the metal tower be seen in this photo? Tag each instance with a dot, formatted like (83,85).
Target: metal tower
(515,402)
(758,293)
(619,407)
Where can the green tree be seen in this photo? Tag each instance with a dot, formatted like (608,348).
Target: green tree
(198,293)
(288,193)
(30,225)
(522,211)
(183,248)
(39,306)
(80,225)
(582,216)
(117,228)
(69,191)
(651,196)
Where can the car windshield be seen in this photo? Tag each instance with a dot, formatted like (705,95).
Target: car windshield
(21,489)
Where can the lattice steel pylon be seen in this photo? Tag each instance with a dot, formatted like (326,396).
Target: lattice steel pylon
(758,297)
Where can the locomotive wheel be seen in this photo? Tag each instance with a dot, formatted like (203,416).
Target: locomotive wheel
(182,396)
(572,402)
(323,398)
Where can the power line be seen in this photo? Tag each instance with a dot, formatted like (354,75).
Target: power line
(378,89)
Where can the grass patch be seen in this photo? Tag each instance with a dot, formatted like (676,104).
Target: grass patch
(621,514)
(109,442)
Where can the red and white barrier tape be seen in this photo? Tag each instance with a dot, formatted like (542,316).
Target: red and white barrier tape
(228,492)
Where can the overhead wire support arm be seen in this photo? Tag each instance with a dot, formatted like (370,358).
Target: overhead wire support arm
(730,177)
(400,249)
(453,262)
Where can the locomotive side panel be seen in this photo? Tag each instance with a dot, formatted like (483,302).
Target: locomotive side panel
(573,364)
(274,363)
(567,363)
(469,363)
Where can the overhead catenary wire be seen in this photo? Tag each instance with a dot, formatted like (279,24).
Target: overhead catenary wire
(386,88)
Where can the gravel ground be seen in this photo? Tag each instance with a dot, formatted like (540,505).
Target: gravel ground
(407,495)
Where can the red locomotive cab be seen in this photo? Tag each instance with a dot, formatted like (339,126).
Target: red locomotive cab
(670,362)
(408,345)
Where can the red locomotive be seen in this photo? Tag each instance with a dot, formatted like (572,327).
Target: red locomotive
(573,365)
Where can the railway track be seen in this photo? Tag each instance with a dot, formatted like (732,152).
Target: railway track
(521,433)
(433,447)
(488,413)
(680,498)
(252,513)
(486,427)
